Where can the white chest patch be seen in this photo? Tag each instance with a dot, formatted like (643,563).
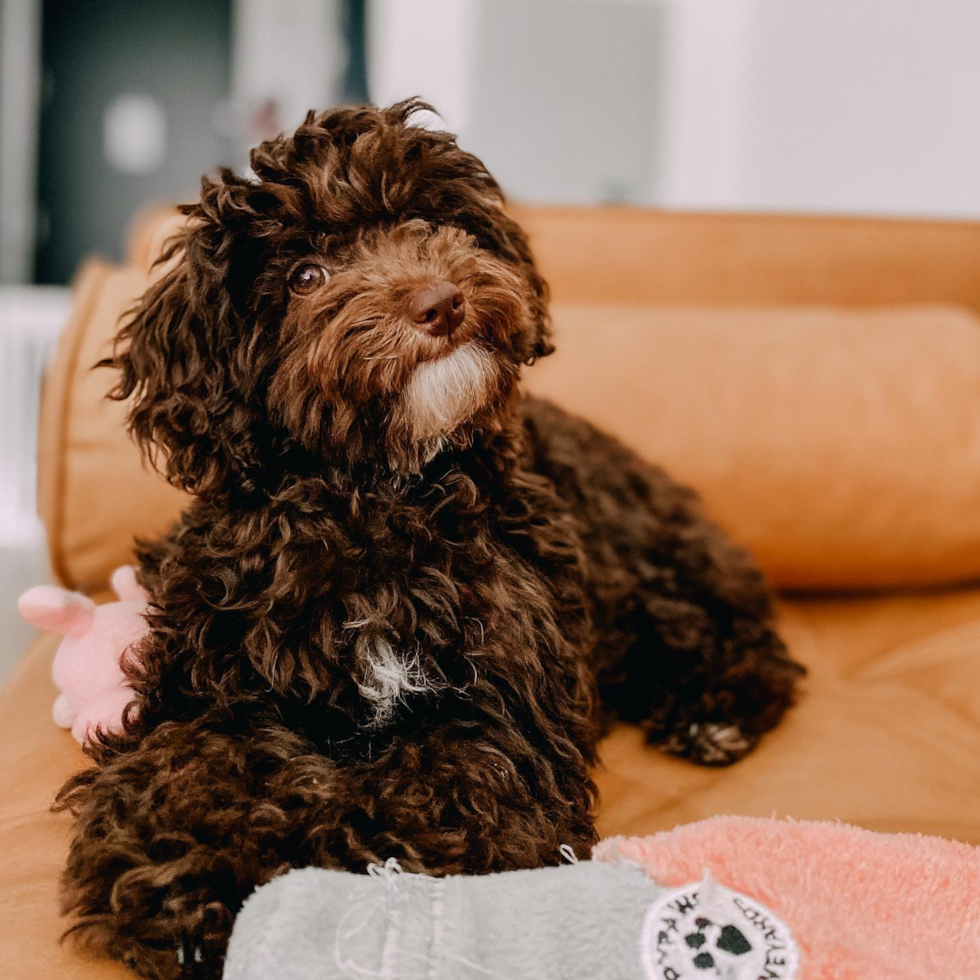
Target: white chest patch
(704,930)
(446,392)
(387,677)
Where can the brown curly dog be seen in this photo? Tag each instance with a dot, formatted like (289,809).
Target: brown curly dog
(386,623)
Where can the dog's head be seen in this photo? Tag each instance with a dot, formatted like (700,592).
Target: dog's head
(364,300)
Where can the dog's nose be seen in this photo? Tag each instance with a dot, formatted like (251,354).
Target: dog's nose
(437,307)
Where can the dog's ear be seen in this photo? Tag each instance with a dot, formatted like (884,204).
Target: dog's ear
(541,345)
(496,229)
(193,373)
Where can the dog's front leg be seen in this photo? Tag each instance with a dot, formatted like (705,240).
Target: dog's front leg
(172,835)
(464,799)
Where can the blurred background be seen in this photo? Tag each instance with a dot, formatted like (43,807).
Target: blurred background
(110,106)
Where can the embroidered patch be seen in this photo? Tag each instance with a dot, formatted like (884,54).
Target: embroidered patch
(704,930)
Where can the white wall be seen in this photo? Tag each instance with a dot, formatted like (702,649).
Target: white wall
(825,105)
(20,33)
(287,57)
(706,101)
(425,48)
(832,105)
(560,98)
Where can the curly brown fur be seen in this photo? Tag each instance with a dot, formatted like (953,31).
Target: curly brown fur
(381,627)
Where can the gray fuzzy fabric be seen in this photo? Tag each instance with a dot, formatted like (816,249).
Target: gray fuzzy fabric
(576,921)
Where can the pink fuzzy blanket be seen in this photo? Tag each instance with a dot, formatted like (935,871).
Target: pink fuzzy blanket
(859,905)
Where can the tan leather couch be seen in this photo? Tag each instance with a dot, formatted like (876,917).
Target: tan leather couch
(817,379)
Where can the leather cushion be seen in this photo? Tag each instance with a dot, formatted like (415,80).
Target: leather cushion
(842,446)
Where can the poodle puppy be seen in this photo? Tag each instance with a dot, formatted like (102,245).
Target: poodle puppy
(404,600)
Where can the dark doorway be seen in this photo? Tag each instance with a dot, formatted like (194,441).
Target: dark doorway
(134,110)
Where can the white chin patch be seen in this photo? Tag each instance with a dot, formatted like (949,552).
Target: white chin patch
(445,393)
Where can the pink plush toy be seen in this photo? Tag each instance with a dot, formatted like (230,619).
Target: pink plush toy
(86,667)
(860,905)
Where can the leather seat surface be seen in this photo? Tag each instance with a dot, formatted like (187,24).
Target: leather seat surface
(886,736)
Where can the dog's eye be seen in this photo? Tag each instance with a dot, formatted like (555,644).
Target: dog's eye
(308,279)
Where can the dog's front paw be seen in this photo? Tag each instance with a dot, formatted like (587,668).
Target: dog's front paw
(197,959)
(711,743)
(185,939)
(201,932)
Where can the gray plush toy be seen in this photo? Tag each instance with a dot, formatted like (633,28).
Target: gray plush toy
(581,921)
